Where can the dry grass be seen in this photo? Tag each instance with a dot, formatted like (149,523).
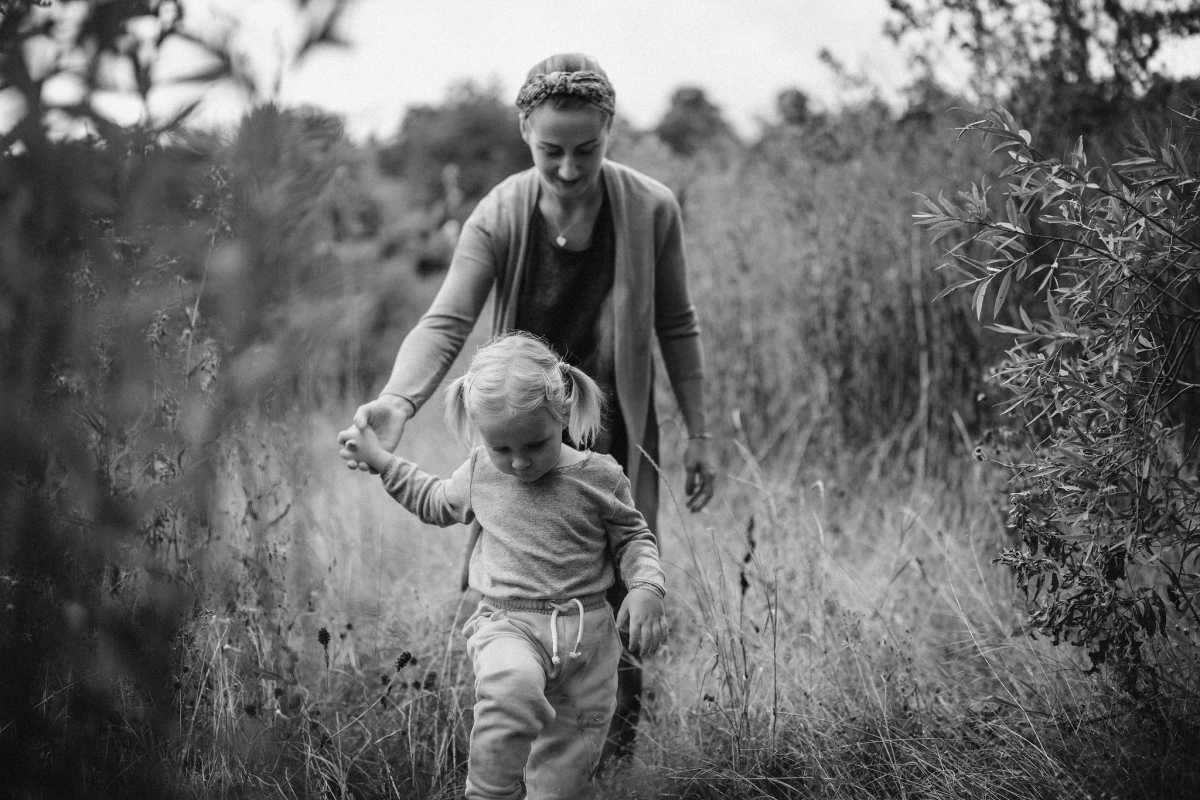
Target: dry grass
(838,629)
(833,639)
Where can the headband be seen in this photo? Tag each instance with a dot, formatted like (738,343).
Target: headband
(587,85)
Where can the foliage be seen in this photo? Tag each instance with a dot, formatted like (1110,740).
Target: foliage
(474,129)
(303,212)
(812,290)
(200,600)
(123,344)
(1102,383)
(1010,43)
(693,122)
(1063,68)
(792,106)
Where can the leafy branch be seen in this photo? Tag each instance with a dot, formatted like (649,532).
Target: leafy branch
(1092,272)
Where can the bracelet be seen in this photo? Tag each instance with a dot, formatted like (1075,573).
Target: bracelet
(699,436)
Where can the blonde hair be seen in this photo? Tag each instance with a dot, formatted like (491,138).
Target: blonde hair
(518,372)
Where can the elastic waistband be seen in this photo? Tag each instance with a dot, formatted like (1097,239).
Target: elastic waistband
(591,602)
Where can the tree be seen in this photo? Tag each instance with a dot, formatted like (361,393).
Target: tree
(692,122)
(792,106)
(1009,43)
(473,129)
(1062,66)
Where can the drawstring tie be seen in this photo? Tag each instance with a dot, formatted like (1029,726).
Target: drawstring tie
(555,609)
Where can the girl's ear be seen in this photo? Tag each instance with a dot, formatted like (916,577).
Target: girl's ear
(523,124)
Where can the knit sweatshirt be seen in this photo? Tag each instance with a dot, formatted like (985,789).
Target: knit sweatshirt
(555,538)
(650,298)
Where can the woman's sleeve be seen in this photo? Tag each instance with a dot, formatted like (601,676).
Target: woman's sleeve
(675,321)
(432,345)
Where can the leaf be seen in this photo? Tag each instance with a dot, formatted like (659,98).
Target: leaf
(978,297)
(1001,294)
(1135,162)
(1001,328)
(1026,136)
(210,74)
(177,119)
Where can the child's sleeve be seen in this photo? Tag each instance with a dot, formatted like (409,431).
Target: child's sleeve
(436,501)
(634,547)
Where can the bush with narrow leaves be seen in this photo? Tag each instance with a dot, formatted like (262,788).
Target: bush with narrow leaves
(1095,273)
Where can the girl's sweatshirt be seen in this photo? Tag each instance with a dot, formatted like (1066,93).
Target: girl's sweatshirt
(553,539)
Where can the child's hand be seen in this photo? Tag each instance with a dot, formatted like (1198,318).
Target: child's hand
(642,613)
(361,444)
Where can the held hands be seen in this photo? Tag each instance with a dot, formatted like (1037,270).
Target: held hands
(363,445)
(641,613)
(385,418)
(700,477)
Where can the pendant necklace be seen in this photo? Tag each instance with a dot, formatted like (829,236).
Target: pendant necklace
(561,239)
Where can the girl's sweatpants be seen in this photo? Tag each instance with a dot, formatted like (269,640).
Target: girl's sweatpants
(539,725)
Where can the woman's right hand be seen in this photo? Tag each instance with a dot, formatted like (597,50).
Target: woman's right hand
(386,416)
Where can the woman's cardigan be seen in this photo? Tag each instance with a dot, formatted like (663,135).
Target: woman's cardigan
(650,293)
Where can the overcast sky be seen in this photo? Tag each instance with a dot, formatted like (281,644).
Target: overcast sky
(403,52)
(742,53)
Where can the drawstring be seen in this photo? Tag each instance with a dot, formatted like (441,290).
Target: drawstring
(555,608)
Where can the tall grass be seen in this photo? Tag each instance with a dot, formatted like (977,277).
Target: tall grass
(815,293)
(838,629)
(832,638)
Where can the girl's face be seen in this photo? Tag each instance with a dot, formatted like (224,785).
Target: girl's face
(568,147)
(524,444)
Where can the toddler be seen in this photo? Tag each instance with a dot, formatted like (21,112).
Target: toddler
(555,521)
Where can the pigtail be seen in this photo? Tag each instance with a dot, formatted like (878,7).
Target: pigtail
(584,403)
(457,419)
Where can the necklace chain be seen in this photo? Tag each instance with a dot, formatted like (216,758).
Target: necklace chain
(561,239)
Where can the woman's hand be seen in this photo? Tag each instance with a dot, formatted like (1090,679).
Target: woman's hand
(386,416)
(364,445)
(642,613)
(700,477)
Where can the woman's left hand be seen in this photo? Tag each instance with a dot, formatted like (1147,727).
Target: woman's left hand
(700,476)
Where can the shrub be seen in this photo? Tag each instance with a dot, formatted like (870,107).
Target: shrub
(474,129)
(1101,383)
(123,357)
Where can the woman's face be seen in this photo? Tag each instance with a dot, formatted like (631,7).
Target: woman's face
(568,147)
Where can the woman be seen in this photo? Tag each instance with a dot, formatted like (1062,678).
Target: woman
(588,254)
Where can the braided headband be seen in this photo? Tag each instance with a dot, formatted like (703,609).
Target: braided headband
(589,86)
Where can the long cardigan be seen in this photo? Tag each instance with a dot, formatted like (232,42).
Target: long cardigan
(650,293)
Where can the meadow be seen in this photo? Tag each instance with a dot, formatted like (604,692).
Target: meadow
(844,637)
(201,601)
(839,628)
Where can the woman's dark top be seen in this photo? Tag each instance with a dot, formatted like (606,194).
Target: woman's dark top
(566,298)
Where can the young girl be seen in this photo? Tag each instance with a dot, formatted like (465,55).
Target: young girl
(555,520)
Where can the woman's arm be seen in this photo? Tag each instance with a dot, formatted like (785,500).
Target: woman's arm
(676,323)
(432,345)
(678,329)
